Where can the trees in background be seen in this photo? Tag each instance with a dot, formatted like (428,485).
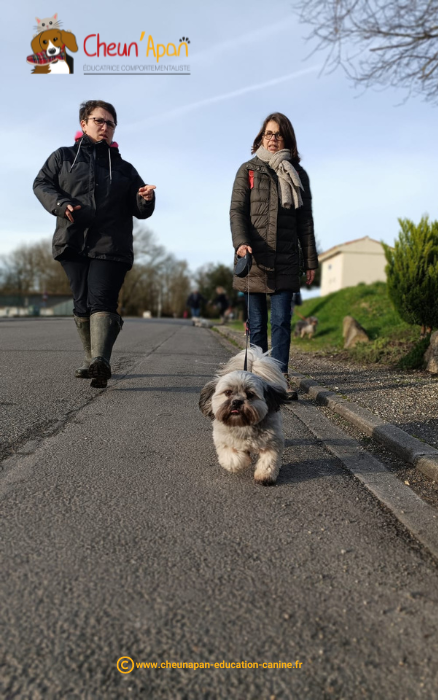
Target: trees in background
(158,282)
(31,268)
(378,42)
(412,272)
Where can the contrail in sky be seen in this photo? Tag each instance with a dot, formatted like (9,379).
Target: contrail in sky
(221,98)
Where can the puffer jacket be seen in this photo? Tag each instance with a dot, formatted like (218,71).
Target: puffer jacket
(273,232)
(95,176)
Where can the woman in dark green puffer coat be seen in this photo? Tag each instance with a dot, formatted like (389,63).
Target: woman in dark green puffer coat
(271,216)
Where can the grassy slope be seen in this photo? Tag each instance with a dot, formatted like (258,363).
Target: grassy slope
(392,339)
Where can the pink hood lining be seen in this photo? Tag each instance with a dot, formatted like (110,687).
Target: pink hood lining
(79,135)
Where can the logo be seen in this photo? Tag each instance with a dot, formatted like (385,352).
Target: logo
(157,56)
(125,664)
(94,47)
(49,47)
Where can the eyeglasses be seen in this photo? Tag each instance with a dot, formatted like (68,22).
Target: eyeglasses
(268,135)
(101,122)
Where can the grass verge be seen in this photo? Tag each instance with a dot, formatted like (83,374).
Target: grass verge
(392,341)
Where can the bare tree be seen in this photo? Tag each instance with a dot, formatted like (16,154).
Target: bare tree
(378,42)
(158,282)
(31,268)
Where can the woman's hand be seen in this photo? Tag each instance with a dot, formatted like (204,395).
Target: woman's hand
(310,276)
(243,250)
(147,192)
(68,211)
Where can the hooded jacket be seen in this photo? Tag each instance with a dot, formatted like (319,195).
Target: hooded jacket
(273,232)
(94,176)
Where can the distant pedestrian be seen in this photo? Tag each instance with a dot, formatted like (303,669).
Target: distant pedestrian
(194,302)
(271,215)
(94,194)
(222,303)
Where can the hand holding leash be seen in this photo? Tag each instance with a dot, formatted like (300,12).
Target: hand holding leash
(310,276)
(68,211)
(147,192)
(243,250)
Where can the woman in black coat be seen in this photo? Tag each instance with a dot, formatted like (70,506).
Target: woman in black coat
(271,216)
(94,194)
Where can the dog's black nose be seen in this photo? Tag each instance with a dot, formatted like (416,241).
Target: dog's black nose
(50,51)
(236,403)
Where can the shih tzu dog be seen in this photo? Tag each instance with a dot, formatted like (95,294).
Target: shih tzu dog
(245,410)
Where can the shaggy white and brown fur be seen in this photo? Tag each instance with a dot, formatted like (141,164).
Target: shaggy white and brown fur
(245,409)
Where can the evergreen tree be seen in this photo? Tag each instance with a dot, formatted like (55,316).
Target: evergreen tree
(412,272)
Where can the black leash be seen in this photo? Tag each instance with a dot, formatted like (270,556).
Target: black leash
(247,333)
(242,269)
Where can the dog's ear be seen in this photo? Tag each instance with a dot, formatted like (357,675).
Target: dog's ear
(69,40)
(205,399)
(275,397)
(35,44)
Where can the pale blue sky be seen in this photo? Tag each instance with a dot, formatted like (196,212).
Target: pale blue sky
(369,160)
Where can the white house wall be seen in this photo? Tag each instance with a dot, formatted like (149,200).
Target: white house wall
(362,267)
(331,275)
(359,261)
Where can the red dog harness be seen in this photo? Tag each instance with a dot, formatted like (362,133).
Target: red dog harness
(42,59)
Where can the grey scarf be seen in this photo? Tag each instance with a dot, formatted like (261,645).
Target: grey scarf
(288,177)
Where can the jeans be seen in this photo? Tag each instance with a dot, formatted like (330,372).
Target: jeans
(281,314)
(95,283)
(195,312)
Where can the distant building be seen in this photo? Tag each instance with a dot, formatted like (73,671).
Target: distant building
(36,305)
(347,264)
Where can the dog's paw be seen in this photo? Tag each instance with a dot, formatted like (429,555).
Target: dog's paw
(267,468)
(233,460)
(265,479)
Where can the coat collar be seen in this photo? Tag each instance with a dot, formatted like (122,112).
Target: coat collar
(86,142)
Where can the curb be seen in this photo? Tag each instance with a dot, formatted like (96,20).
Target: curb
(418,517)
(421,455)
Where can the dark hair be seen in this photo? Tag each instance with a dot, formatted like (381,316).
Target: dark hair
(88,107)
(286,130)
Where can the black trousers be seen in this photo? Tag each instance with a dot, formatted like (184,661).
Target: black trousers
(95,283)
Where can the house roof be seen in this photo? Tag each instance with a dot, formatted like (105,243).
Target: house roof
(335,250)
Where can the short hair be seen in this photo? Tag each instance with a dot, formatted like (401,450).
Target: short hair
(88,107)
(286,130)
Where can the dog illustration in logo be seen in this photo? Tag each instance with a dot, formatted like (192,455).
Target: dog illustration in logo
(49,51)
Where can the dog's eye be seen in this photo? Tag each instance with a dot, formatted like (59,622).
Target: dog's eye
(55,39)
(250,395)
(228,392)
(45,41)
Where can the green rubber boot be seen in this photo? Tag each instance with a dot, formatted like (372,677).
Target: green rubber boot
(104,327)
(83,326)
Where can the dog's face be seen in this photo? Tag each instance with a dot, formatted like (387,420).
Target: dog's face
(52,41)
(240,399)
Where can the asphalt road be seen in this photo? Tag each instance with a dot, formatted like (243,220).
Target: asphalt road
(122,536)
